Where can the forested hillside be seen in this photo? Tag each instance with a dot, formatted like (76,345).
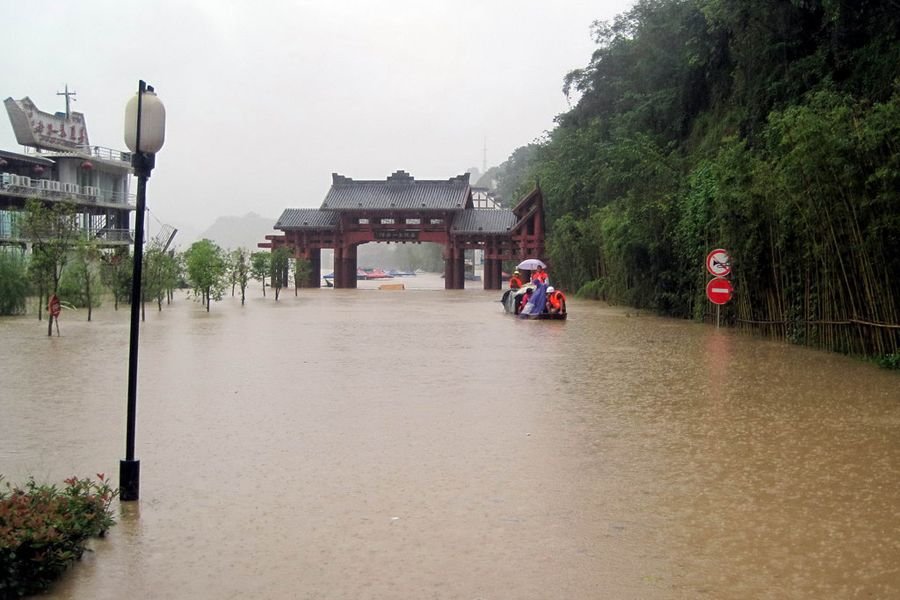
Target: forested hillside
(769,128)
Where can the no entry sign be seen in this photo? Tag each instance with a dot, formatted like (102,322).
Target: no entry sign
(53,305)
(718,262)
(719,290)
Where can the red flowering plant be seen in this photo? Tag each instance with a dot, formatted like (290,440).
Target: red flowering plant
(44,528)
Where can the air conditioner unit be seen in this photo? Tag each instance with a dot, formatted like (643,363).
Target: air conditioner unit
(21,180)
(49,185)
(71,188)
(90,190)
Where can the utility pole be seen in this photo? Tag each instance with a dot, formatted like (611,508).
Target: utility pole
(67,93)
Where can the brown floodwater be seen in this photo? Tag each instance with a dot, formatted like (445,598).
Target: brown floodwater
(366,444)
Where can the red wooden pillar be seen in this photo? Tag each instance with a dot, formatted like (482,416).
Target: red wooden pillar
(493,278)
(338,266)
(449,271)
(315,272)
(349,264)
(459,264)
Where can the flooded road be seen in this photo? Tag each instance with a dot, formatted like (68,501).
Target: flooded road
(422,444)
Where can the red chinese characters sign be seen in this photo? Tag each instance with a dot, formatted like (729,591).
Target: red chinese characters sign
(44,130)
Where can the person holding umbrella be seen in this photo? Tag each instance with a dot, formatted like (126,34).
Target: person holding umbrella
(537,267)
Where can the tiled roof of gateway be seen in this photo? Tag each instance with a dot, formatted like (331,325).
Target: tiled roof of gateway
(483,221)
(307,218)
(399,191)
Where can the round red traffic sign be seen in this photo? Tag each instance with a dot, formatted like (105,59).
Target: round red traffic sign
(718,262)
(53,305)
(719,290)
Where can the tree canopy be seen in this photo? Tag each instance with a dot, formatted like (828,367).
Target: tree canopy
(769,128)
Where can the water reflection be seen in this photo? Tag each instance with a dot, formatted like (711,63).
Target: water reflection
(366,444)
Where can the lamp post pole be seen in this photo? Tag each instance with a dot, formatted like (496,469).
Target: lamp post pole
(143,160)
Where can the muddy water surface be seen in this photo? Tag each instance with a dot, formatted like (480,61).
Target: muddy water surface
(421,444)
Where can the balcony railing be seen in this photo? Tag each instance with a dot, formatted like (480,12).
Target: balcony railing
(11,233)
(54,190)
(99,152)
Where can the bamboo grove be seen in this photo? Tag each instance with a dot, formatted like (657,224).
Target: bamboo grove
(769,128)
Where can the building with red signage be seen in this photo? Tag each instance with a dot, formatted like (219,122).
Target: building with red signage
(59,164)
(401,209)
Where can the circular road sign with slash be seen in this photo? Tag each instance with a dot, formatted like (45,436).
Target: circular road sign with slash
(54,305)
(718,263)
(719,290)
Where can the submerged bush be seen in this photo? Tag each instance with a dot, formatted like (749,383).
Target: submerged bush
(13,283)
(44,528)
(889,361)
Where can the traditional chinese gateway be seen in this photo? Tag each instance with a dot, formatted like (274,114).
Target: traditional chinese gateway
(401,209)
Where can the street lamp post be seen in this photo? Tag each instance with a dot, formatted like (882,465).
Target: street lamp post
(145,132)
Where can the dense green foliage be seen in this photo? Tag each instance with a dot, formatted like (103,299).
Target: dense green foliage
(80,284)
(44,528)
(302,273)
(13,282)
(771,129)
(279,269)
(260,264)
(52,231)
(207,268)
(239,270)
(162,273)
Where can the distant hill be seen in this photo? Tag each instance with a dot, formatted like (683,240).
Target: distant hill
(240,232)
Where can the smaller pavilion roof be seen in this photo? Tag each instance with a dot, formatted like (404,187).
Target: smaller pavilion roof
(483,221)
(399,191)
(307,218)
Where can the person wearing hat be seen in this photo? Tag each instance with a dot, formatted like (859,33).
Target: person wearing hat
(515,282)
(556,301)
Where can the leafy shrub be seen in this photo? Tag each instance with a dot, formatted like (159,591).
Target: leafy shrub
(593,290)
(13,283)
(44,528)
(889,361)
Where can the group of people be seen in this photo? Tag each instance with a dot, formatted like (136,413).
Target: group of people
(540,297)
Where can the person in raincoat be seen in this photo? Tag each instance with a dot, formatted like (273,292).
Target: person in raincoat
(537,302)
(556,301)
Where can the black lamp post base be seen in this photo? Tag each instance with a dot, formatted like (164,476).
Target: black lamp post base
(129,480)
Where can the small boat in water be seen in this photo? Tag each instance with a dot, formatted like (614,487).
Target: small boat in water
(512,302)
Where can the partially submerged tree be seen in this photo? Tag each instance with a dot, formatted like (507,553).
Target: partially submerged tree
(160,274)
(13,282)
(260,265)
(206,270)
(85,261)
(240,271)
(280,267)
(52,231)
(115,273)
(302,271)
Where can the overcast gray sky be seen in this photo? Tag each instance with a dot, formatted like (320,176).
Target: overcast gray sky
(265,99)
